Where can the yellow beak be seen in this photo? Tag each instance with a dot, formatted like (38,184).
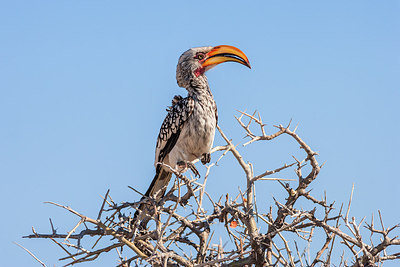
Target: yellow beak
(224,53)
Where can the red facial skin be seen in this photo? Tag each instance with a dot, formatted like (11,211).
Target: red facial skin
(199,71)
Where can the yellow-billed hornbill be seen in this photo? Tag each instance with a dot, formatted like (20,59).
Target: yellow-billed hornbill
(187,132)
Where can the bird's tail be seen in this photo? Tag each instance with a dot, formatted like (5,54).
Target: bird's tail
(157,188)
(159,184)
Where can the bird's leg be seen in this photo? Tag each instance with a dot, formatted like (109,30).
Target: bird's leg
(183,165)
(205,158)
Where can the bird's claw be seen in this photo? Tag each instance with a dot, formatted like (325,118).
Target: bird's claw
(193,169)
(205,158)
(183,165)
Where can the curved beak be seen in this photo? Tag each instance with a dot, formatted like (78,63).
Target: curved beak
(224,53)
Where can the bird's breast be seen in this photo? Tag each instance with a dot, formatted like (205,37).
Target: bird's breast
(197,135)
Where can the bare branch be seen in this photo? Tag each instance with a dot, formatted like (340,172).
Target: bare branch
(182,223)
(30,253)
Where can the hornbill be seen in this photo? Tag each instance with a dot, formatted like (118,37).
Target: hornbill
(187,132)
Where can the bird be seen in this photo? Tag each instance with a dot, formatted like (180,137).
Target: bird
(187,132)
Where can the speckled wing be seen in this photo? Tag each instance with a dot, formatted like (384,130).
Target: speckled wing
(171,128)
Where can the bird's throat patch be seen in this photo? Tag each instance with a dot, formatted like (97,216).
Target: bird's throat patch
(199,71)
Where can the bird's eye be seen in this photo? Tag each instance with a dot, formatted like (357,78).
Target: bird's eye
(200,56)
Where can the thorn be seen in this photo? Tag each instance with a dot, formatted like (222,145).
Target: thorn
(295,128)
(289,124)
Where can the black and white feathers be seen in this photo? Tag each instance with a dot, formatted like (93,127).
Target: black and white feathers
(187,132)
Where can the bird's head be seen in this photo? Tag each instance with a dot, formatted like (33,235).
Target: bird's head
(196,61)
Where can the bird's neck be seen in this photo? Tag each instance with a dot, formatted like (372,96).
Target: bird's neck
(199,89)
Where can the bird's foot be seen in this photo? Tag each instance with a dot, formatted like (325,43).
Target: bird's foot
(193,169)
(183,165)
(205,158)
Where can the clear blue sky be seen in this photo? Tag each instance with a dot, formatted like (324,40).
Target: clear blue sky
(84,86)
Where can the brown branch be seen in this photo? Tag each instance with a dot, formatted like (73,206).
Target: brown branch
(183,236)
(106,229)
(30,253)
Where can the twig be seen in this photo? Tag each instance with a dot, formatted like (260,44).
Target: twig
(30,253)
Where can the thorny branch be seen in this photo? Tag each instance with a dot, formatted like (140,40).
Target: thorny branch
(183,228)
